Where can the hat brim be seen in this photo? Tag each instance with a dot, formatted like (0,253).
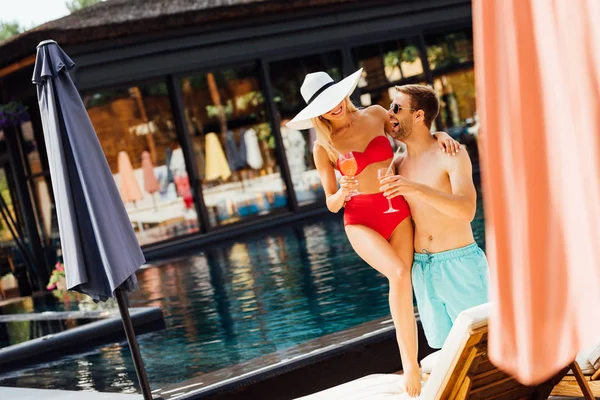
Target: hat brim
(326,101)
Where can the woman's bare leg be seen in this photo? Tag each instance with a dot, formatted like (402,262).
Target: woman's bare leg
(379,254)
(402,243)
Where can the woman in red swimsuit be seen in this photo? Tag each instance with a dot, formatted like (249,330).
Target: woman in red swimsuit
(384,241)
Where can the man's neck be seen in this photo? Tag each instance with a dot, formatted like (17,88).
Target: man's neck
(419,141)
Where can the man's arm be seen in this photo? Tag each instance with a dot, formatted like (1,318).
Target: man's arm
(460,204)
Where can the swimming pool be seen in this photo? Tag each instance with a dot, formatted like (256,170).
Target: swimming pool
(235,302)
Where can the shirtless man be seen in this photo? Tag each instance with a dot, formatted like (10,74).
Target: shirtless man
(450,272)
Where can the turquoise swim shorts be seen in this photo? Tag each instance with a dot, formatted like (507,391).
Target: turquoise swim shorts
(446,284)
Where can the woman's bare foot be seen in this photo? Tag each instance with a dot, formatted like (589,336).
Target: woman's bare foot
(412,382)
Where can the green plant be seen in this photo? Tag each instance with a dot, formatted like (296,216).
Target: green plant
(410,53)
(57,274)
(9,29)
(76,5)
(13,113)
(213,111)
(253,98)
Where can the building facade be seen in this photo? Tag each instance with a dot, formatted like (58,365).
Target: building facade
(190,106)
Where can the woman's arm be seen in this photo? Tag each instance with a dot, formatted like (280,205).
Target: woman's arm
(336,197)
(446,143)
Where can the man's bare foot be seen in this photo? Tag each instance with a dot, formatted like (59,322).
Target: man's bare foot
(412,382)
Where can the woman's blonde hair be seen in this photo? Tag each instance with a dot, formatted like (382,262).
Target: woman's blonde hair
(325,129)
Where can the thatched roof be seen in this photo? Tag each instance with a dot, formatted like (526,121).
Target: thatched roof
(113,19)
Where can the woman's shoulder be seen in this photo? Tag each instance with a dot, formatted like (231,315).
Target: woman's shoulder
(321,155)
(376,111)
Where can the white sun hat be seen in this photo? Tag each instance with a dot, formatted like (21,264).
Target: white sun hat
(322,94)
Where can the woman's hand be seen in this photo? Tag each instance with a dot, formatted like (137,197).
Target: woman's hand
(447,144)
(347,184)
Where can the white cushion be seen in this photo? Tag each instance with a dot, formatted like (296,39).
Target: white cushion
(593,356)
(473,318)
(375,386)
(384,386)
(429,362)
(589,359)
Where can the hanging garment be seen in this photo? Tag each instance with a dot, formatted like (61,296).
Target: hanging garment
(253,154)
(169,177)
(150,182)
(130,188)
(177,163)
(216,163)
(162,183)
(236,156)
(295,150)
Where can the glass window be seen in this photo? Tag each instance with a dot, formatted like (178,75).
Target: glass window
(38,183)
(457,98)
(11,257)
(44,203)
(444,50)
(286,78)
(385,65)
(233,144)
(136,131)
(401,60)
(5,192)
(30,149)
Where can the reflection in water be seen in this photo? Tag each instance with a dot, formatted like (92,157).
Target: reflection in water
(217,281)
(18,331)
(232,303)
(84,375)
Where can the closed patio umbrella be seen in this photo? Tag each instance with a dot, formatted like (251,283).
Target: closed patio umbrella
(130,187)
(99,247)
(537,66)
(216,162)
(151,184)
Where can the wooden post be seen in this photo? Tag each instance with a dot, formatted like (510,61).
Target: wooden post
(149,138)
(582,381)
(216,99)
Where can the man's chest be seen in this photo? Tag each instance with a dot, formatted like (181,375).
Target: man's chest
(426,171)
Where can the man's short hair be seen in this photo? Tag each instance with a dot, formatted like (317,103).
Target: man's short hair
(422,97)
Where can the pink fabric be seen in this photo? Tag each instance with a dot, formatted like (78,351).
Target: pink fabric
(537,73)
(150,182)
(130,188)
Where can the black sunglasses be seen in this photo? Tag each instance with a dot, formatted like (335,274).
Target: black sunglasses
(396,108)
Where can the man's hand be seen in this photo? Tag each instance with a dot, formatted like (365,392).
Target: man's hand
(397,185)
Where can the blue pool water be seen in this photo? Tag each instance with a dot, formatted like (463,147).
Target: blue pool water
(232,303)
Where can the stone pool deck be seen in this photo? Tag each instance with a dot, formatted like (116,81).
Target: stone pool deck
(9,393)
(300,370)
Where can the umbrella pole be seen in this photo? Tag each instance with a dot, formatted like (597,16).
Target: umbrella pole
(133,344)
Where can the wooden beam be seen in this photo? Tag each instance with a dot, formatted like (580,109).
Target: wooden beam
(596,375)
(26,62)
(582,381)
